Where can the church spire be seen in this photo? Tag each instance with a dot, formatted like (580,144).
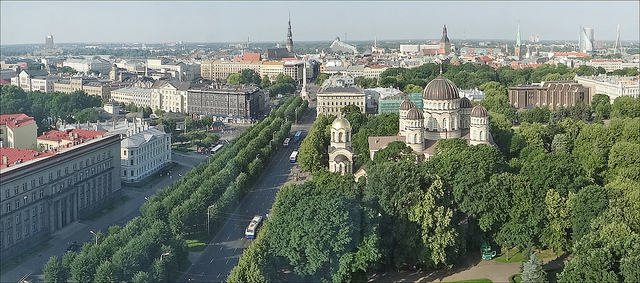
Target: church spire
(289,38)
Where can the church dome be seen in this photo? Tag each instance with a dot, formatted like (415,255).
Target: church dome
(415,114)
(440,88)
(407,104)
(465,103)
(479,111)
(340,123)
(341,158)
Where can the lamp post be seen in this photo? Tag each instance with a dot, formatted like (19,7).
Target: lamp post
(273,137)
(95,236)
(167,253)
(208,217)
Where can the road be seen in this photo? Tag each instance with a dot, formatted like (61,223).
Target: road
(31,267)
(215,263)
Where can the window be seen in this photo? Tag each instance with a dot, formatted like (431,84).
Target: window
(8,207)
(24,187)
(33,183)
(33,212)
(17,203)
(15,190)
(41,193)
(40,180)
(6,193)
(50,176)
(58,173)
(25,200)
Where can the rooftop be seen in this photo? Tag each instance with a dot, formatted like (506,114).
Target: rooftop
(14,156)
(13,121)
(71,135)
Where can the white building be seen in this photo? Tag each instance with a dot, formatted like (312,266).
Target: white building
(612,86)
(169,96)
(337,92)
(35,80)
(86,65)
(611,65)
(143,154)
(141,97)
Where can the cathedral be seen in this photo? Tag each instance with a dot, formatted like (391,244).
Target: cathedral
(444,115)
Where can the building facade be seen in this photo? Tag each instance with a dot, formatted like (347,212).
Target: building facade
(230,103)
(141,97)
(143,154)
(170,96)
(42,193)
(85,65)
(553,95)
(220,69)
(35,80)
(612,86)
(18,131)
(336,93)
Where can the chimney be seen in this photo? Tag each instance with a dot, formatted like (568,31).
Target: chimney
(5,160)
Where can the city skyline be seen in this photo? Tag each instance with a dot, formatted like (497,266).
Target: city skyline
(166,21)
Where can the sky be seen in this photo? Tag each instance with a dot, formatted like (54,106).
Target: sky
(27,22)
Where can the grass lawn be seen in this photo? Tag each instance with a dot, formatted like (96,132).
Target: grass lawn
(196,242)
(481,280)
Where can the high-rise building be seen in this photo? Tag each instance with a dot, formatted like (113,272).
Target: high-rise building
(587,40)
(48,42)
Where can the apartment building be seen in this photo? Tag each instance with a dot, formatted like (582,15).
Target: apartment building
(141,97)
(18,131)
(220,69)
(169,96)
(35,80)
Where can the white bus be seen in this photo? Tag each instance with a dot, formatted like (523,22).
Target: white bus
(250,232)
(286,142)
(294,157)
(215,149)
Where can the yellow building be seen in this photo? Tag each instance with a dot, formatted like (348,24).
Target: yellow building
(272,69)
(18,131)
(220,69)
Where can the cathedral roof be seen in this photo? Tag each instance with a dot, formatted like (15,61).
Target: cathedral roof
(479,111)
(415,114)
(465,103)
(440,88)
(340,123)
(407,104)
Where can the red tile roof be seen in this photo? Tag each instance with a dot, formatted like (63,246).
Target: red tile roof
(71,135)
(13,121)
(14,156)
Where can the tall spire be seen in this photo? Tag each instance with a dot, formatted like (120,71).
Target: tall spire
(518,36)
(289,38)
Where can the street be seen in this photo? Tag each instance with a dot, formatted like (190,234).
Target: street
(224,250)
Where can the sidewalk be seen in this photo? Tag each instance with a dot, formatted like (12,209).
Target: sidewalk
(79,231)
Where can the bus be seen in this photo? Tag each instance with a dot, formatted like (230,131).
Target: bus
(296,138)
(216,149)
(294,156)
(286,142)
(250,232)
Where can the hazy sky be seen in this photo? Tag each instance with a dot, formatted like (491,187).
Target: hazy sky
(205,21)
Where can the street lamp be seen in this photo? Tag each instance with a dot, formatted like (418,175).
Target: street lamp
(167,253)
(95,236)
(208,208)
(273,137)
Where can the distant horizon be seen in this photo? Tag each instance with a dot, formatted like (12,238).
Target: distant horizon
(220,21)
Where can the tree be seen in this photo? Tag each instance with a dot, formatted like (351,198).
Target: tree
(601,104)
(586,206)
(626,106)
(321,78)
(555,233)
(265,83)
(365,82)
(533,271)
(537,114)
(395,151)
(411,88)
(235,79)
(67,70)
(54,271)
(87,115)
